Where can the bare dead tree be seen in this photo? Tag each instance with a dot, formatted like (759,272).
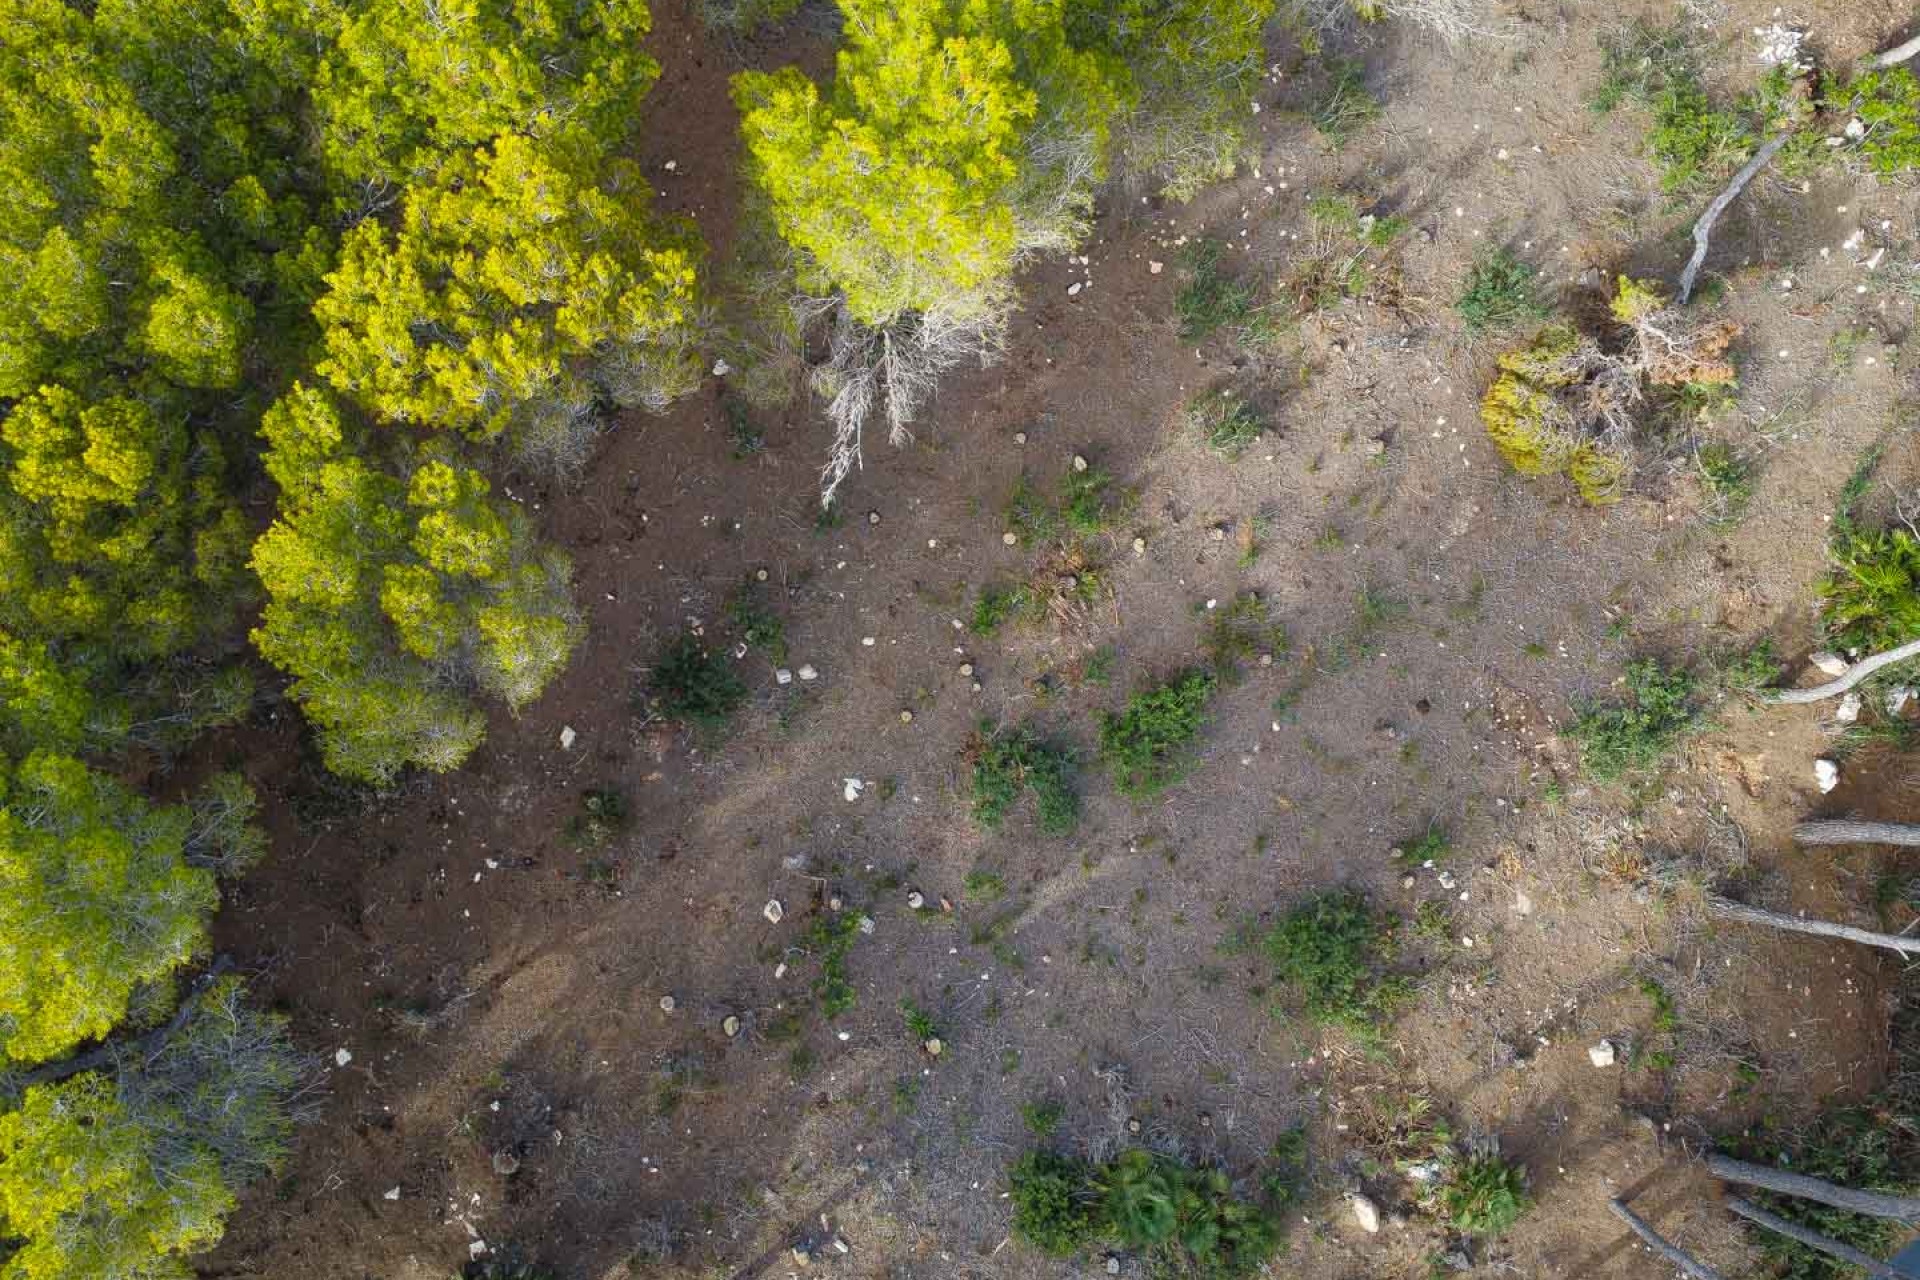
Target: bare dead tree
(1727,910)
(1874,1204)
(1660,1244)
(1855,674)
(1843,831)
(1814,1240)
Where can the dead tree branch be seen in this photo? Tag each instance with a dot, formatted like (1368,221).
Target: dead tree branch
(1704,228)
(1855,674)
(1898,54)
(1819,928)
(143,1050)
(1814,1240)
(1840,831)
(1660,1245)
(1872,1203)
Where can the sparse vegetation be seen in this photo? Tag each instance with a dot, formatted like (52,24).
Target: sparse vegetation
(1147,746)
(1343,107)
(1871,599)
(995,606)
(830,937)
(1238,631)
(1690,140)
(1728,481)
(1209,299)
(602,815)
(1008,763)
(1226,422)
(1332,950)
(691,683)
(1484,1196)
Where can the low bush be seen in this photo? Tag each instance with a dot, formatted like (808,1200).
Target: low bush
(1635,732)
(1871,599)
(602,815)
(1147,745)
(1009,763)
(1499,293)
(694,685)
(1209,299)
(1332,949)
(1225,421)
(1485,1196)
(995,606)
(1055,1204)
(1886,105)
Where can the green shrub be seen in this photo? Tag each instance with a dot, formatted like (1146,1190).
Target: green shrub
(691,684)
(996,606)
(1054,1208)
(1331,949)
(1041,1118)
(1085,503)
(1728,481)
(1636,732)
(1689,139)
(1871,599)
(1188,1221)
(1146,745)
(602,816)
(756,624)
(1887,103)
(831,937)
(1029,516)
(1345,106)
(920,1023)
(1010,762)
(1209,299)
(1485,1196)
(1499,293)
(1226,422)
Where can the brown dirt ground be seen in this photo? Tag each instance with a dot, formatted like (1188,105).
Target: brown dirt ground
(499,989)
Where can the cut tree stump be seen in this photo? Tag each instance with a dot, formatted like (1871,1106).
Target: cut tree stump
(1845,831)
(1872,1203)
(1660,1244)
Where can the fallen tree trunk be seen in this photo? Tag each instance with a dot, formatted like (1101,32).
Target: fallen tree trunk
(1819,928)
(1660,1245)
(1855,674)
(1872,1203)
(1898,54)
(1814,1240)
(1704,228)
(1842,831)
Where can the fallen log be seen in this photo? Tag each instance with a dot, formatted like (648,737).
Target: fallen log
(1814,1240)
(1844,831)
(1855,674)
(1874,1204)
(1704,228)
(1660,1245)
(1819,928)
(1898,54)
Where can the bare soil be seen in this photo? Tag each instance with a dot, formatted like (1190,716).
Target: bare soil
(499,988)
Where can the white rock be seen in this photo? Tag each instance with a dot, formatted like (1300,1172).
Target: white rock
(393,1194)
(1827,774)
(1367,1214)
(668,1004)
(1522,904)
(1897,699)
(1849,709)
(721,368)
(567,738)
(775,911)
(783,676)
(807,672)
(916,899)
(852,789)
(1603,1054)
(1155,268)
(866,924)
(1830,664)
(341,1057)
(730,1026)
(1073,290)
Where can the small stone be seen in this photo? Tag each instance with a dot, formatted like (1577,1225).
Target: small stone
(1079,463)
(873,517)
(977,686)
(1375,448)
(835,902)
(1218,533)
(721,368)
(866,924)
(867,642)
(759,575)
(392,1194)
(1367,1214)
(1829,664)
(933,1046)
(1139,546)
(1849,709)
(668,1004)
(1073,290)
(505,1163)
(916,899)
(1897,698)
(1602,1054)
(730,1025)
(1266,659)
(966,668)
(341,1057)
(1827,774)
(1019,437)
(783,676)
(774,911)
(780,970)
(1133,1125)
(851,789)
(1010,538)
(567,738)
(801,1256)
(808,673)
(1155,268)
(841,1246)
(906,717)
(1522,904)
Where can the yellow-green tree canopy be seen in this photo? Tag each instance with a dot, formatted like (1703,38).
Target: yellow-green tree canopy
(125,1175)
(520,272)
(914,183)
(411,81)
(391,593)
(96,900)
